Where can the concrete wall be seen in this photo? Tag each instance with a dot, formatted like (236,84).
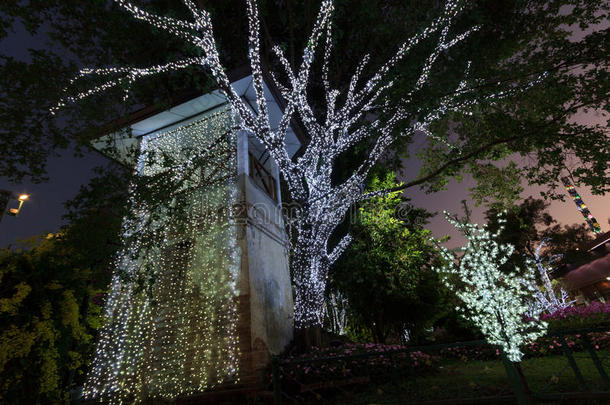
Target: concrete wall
(266,303)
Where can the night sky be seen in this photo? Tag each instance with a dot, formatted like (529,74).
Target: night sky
(43,212)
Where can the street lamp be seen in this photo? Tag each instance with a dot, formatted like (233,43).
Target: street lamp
(5,196)
(21,199)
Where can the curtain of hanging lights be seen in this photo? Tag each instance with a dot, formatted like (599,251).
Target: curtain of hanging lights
(180,338)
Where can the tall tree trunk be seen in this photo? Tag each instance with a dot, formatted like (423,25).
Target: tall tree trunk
(309,272)
(309,267)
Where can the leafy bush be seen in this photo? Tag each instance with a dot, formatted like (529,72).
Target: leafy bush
(47,334)
(386,268)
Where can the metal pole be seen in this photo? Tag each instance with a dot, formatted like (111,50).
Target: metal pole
(277,390)
(596,361)
(566,349)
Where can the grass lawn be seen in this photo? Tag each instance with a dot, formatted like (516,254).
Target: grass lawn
(553,373)
(456,379)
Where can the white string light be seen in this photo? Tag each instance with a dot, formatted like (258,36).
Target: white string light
(309,177)
(181,338)
(544,298)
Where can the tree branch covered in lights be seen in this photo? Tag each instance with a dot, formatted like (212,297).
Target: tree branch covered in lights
(360,113)
(495,301)
(545,298)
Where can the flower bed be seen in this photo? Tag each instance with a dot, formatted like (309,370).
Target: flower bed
(360,363)
(465,353)
(553,345)
(596,314)
(379,361)
(351,362)
(578,316)
(541,347)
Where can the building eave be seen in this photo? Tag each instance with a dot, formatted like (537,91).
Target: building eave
(118,140)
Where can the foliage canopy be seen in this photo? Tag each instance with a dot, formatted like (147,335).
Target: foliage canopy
(386,274)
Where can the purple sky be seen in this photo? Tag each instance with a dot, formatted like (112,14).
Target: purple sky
(450,200)
(564,212)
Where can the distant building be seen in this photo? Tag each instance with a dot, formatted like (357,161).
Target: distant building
(591,281)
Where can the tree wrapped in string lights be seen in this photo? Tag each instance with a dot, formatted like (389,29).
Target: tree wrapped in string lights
(494,300)
(545,298)
(355,113)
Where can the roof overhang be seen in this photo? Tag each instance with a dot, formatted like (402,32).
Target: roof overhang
(599,241)
(123,145)
(588,274)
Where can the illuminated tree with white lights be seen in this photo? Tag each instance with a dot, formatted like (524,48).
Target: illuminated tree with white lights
(358,112)
(494,300)
(545,298)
